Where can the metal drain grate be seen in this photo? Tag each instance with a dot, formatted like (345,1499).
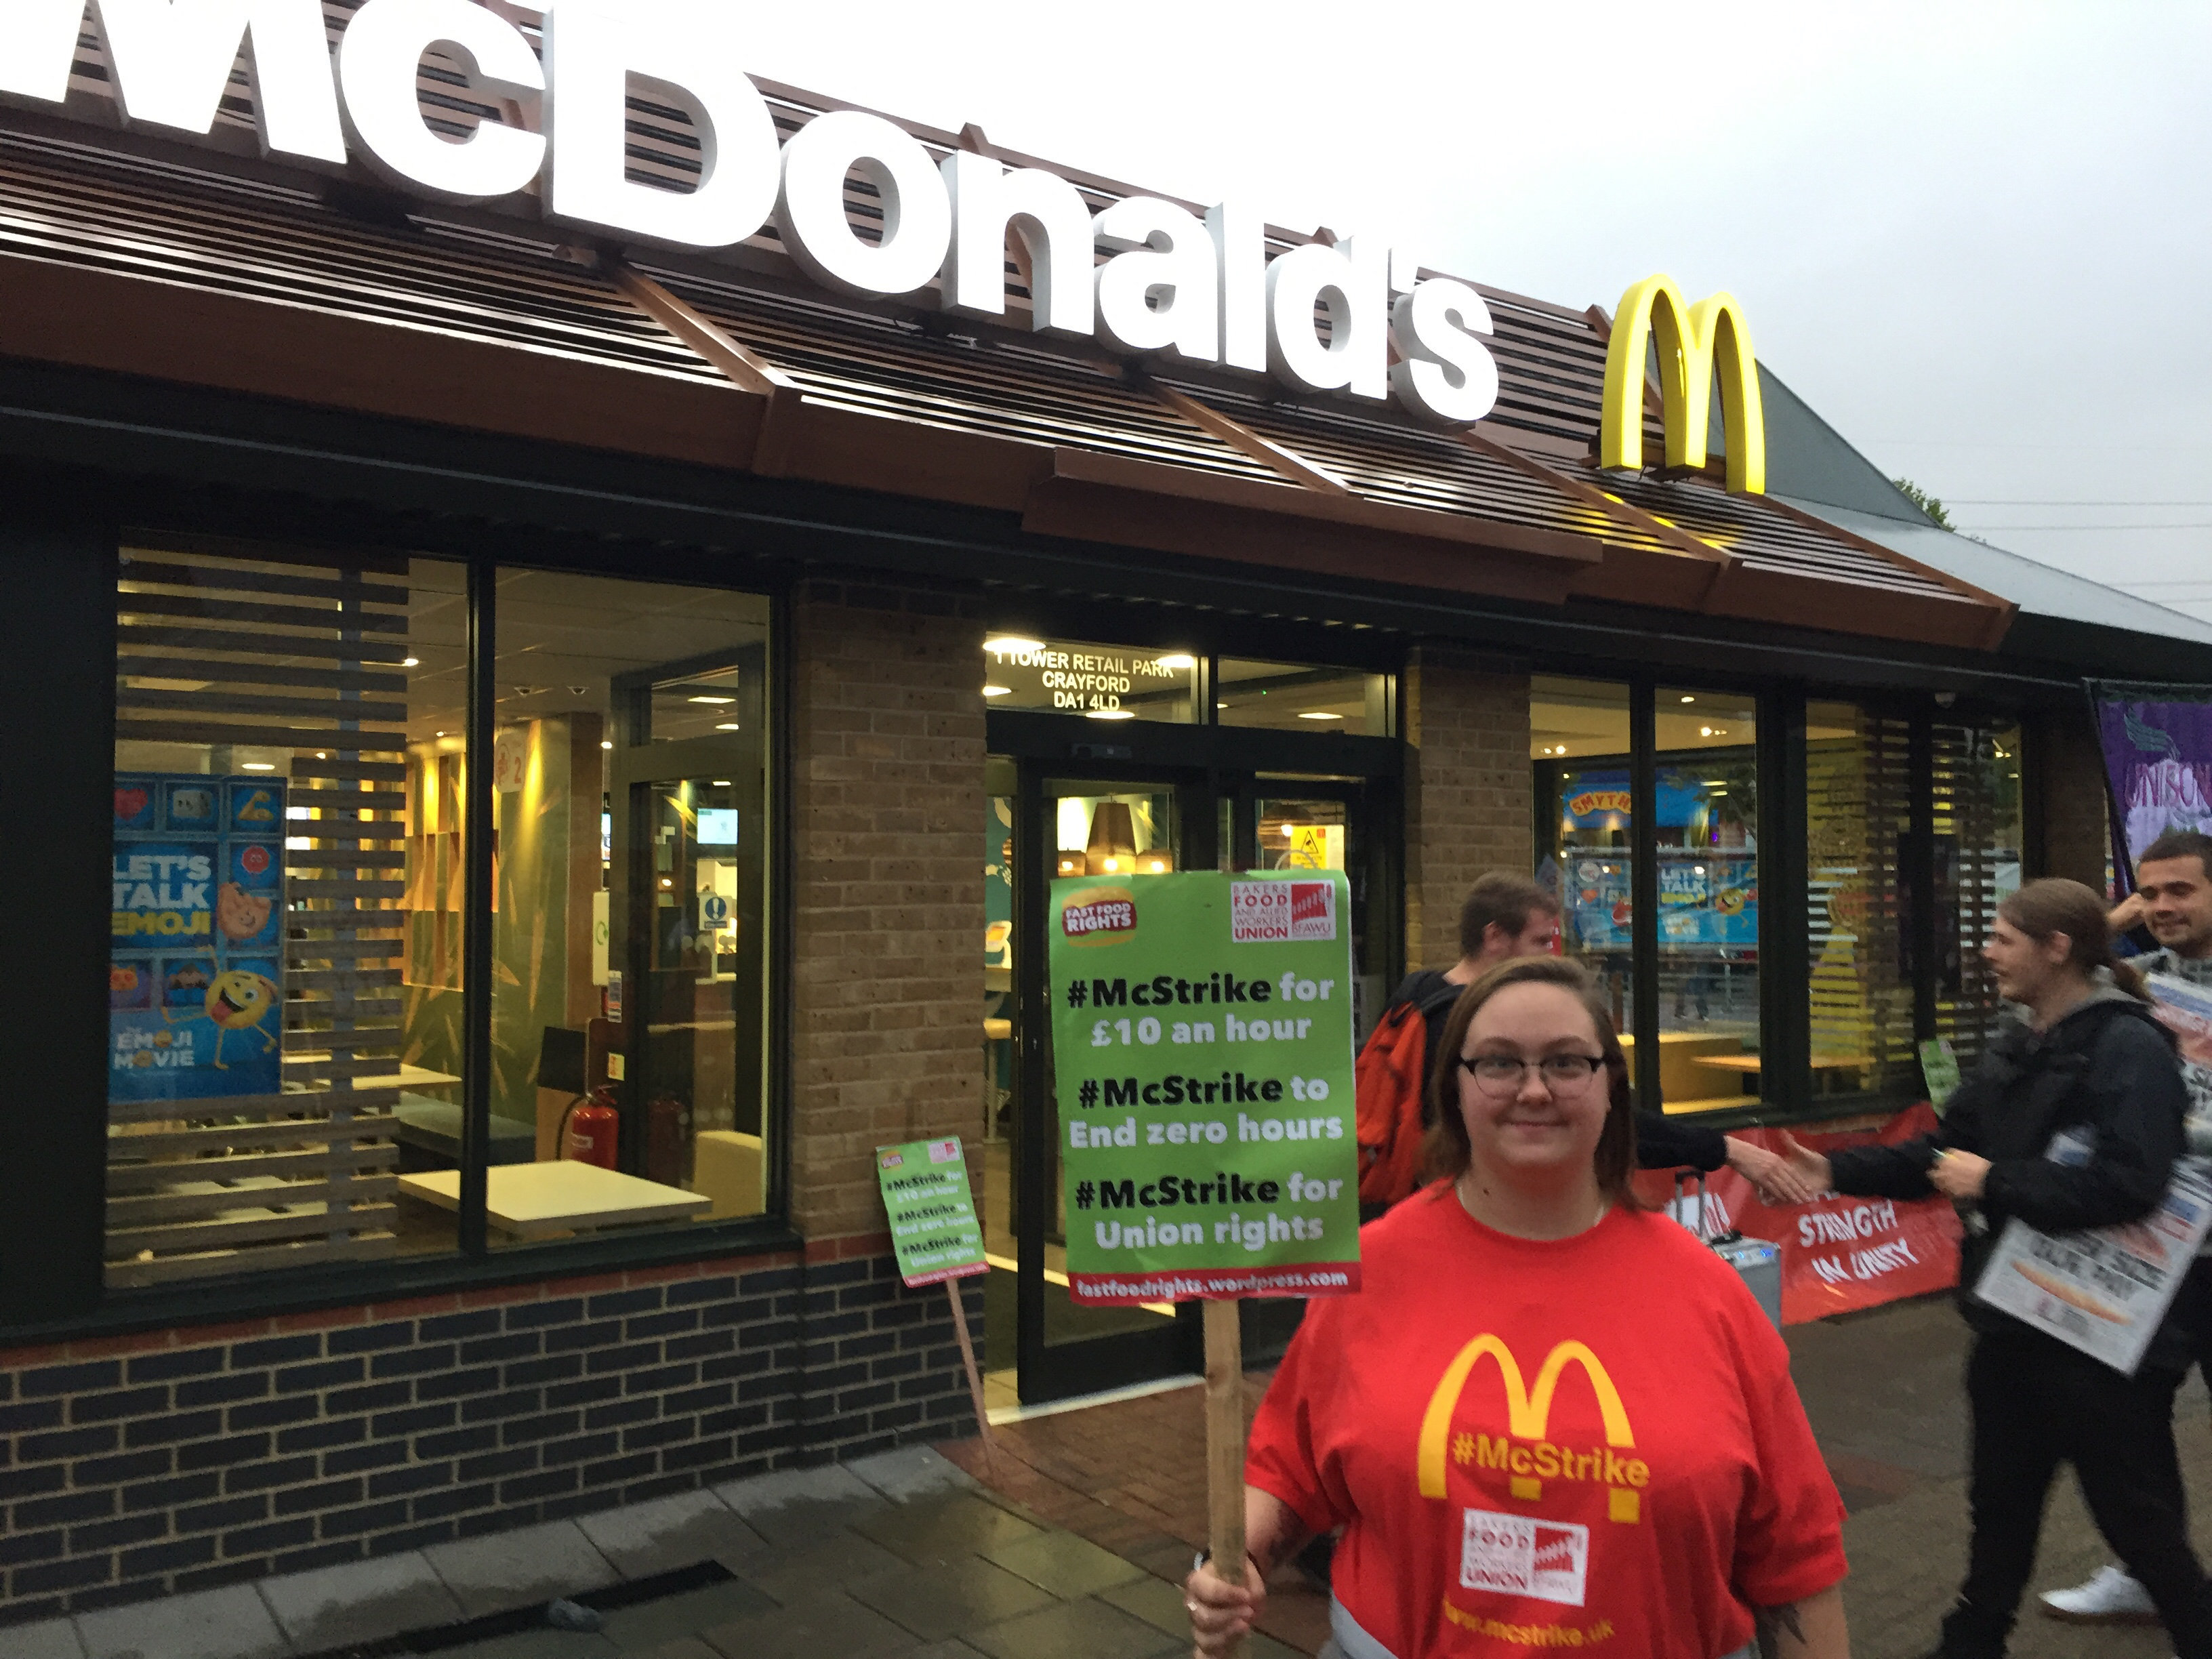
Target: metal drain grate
(443,1637)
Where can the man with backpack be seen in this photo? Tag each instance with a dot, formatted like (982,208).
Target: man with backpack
(1505,916)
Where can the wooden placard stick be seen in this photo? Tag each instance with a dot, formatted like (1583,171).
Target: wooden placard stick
(975,1378)
(1224,1444)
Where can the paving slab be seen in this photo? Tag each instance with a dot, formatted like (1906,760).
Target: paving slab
(827,1625)
(794,1505)
(1159,1604)
(231,1623)
(50,1638)
(666,1618)
(949,1598)
(668,1533)
(792,1574)
(1061,1562)
(690,1647)
(945,1529)
(913,1472)
(360,1601)
(541,1643)
(504,1570)
(1078,1629)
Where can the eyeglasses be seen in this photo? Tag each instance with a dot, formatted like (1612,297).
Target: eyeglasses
(1502,1074)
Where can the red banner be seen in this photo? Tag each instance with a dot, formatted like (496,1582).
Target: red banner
(1838,1254)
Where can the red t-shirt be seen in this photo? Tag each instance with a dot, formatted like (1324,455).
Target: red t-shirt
(1589,1444)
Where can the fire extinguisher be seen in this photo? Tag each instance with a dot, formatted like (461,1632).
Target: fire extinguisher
(591,1128)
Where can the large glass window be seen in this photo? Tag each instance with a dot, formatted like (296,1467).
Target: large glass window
(1578,745)
(284,982)
(629,1044)
(1287,697)
(1857,824)
(1706,835)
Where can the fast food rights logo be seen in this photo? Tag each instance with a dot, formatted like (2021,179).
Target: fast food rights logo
(1281,912)
(1102,915)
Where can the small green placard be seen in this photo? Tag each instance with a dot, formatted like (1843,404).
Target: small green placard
(934,1231)
(1939,1069)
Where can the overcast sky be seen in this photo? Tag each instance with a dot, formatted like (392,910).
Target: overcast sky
(1977,238)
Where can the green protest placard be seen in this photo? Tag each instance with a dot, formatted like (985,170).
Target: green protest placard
(934,1231)
(1939,1070)
(1202,1059)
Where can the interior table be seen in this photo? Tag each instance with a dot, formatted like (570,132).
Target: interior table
(539,1201)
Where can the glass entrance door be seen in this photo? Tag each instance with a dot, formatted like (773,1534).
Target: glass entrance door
(1048,827)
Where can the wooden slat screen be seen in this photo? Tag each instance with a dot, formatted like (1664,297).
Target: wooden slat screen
(300,665)
(1857,813)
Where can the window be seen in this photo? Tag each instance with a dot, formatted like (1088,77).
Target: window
(1706,835)
(1979,828)
(629,770)
(1578,743)
(284,979)
(1295,698)
(1858,810)
(1101,682)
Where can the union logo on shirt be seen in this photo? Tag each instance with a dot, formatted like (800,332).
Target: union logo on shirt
(1526,1454)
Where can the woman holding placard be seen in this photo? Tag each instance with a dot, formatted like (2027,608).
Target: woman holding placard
(2072,1120)
(1550,1418)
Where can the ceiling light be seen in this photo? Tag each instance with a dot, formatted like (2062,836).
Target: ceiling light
(1111,715)
(720,783)
(715,700)
(259,766)
(998,690)
(1179,659)
(412,662)
(1159,866)
(606,744)
(729,726)
(1008,645)
(321,754)
(1221,705)
(1319,715)
(438,734)
(1696,869)
(1689,700)
(1289,828)
(1704,731)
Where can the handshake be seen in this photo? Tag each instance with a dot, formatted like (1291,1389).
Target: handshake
(1798,1175)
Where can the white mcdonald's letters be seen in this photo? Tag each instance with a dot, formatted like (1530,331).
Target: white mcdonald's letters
(1203,291)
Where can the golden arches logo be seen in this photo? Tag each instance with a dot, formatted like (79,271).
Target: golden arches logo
(1528,1413)
(1693,341)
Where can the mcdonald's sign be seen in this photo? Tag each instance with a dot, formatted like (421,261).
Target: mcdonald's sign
(1694,340)
(1526,1454)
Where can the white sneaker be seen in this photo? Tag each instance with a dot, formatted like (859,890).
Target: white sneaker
(2110,1598)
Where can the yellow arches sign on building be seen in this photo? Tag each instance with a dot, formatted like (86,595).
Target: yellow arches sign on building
(1694,341)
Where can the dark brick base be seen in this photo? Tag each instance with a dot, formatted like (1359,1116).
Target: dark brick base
(174,1459)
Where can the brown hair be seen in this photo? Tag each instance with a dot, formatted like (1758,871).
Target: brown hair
(2179,844)
(1506,899)
(1446,1151)
(2056,905)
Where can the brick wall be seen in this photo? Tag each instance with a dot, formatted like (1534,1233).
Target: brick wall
(175,1459)
(888,888)
(1468,790)
(2068,769)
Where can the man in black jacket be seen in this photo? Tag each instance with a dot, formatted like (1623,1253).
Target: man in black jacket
(1506,916)
(2072,1120)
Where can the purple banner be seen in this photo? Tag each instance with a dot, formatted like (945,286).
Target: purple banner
(2157,741)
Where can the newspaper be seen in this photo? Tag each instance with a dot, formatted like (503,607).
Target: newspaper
(2104,1292)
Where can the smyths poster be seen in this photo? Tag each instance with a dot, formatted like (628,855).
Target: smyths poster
(1202,1053)
(194,978)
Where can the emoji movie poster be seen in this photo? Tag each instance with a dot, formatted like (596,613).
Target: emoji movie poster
(196,978)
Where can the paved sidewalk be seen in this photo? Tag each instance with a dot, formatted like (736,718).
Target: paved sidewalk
(1074,1548)
(895,1556)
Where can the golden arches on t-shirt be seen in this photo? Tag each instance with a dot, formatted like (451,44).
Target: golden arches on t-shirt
(1527,1415)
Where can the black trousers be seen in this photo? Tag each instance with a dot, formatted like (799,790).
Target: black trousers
(2036,1404)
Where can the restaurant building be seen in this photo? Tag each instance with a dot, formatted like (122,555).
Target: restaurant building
(488,657)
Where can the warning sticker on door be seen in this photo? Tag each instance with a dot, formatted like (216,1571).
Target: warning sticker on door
(1519,1555)
(1281,912)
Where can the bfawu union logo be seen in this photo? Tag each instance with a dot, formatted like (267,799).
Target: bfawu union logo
(1281,912)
